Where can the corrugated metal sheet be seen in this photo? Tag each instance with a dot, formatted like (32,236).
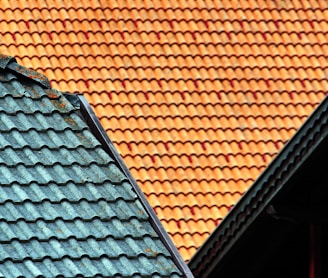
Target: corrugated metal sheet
(65,206)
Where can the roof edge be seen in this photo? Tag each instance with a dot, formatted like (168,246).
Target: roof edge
(96,127)
(10,62)
(307,138)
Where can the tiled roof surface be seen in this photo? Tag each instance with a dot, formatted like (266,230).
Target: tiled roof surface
(66,208)
(198,96)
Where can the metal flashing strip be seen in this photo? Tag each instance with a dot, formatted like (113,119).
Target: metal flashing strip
(255,200)
(97,129)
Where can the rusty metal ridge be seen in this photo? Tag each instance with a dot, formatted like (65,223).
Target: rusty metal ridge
(97,129)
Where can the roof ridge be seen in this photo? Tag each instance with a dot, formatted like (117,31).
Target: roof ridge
(10,62)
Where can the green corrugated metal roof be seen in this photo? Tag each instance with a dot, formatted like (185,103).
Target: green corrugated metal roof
(66,207)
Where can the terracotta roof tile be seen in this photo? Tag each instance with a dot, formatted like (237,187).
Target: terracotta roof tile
(198,96)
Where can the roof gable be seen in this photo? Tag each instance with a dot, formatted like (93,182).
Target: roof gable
(66,207)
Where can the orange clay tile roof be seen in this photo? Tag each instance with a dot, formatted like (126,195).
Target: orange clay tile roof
(198,96)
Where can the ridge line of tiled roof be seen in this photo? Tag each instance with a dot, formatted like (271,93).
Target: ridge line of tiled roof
(197,193)
(83,256)
(195,180)
(77,218)
(150,79)
(178,220)
(164,32)
(187,8)
(195,66)
(189,180)
(222,44)
(191,233)
(171,20)
(173,143)
(108,146)
(208,141)
(43,146)
(127,68)
(215,116)
(29,182)
(66,199)
(193,155)
(38,129)
(46,147)
(218,94)
(77,238)
(210,128)
(193,103)
(219,167)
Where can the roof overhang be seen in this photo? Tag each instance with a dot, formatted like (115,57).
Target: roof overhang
(273,216)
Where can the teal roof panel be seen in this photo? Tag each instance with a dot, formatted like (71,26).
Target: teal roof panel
(66,207)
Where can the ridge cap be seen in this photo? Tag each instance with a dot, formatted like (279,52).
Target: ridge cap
(10,62)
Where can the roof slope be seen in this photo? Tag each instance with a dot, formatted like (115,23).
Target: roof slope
(198,96)
(66,208)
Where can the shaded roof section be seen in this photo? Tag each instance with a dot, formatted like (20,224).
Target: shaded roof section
(197,96)
(292,189)
(66,207)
